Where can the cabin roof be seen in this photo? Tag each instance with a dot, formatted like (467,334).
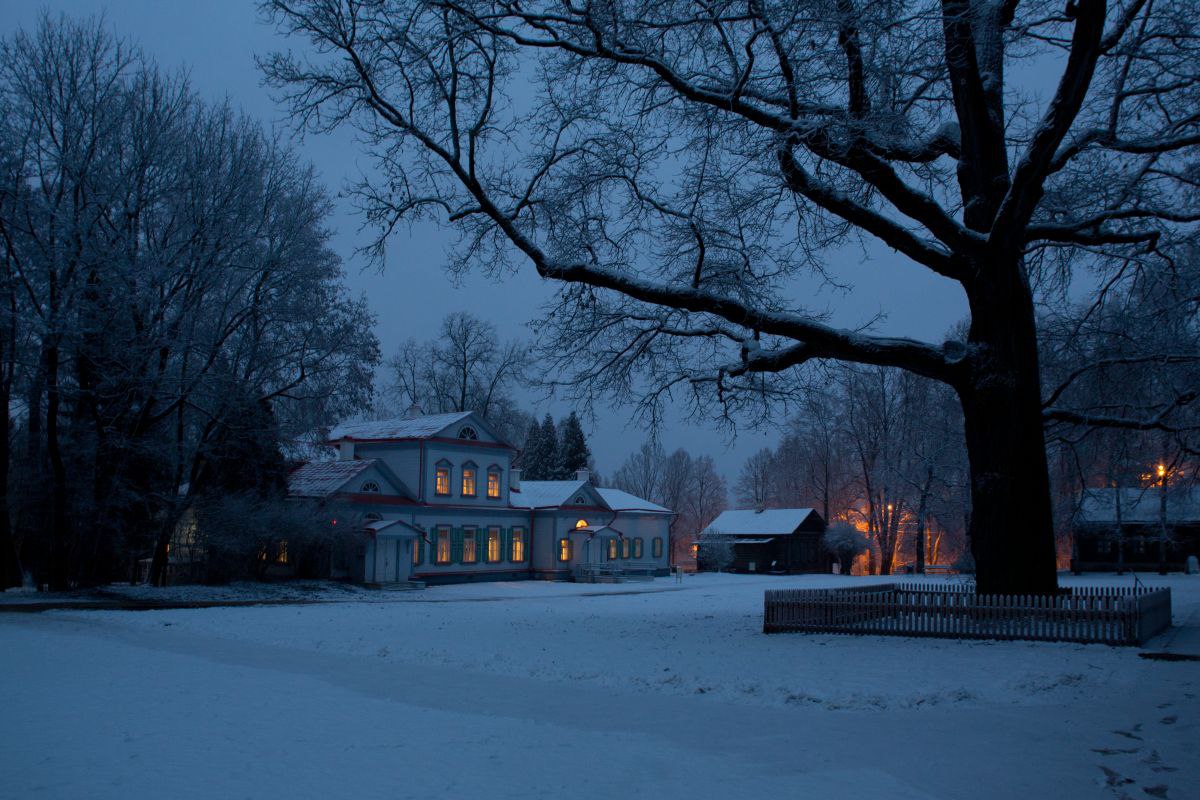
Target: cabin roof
(323,478)
(1138,505)
(750,522)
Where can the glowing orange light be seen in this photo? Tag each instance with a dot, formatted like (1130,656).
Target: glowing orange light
(582,523)
(1162,471)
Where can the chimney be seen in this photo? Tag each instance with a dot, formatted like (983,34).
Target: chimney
(514,480)
(583,475)
(413,411)
(346,450)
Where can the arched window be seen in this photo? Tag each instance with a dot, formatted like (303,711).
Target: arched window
(371,517)
(581,523)
(579,500)
(467,432)
(370,487)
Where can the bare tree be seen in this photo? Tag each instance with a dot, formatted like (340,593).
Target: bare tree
(756,481)
(784,128)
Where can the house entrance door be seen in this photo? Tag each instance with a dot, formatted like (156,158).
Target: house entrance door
(391,559)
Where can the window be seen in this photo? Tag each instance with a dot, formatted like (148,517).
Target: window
(370,487)
(418,548)
(612,549)
(580,500)
(493,483)
(581,523)
(442,479)
(281,556)
(371,517)
(468,480)
(443,545)
(469,554)
(656,547)
(624,548)
(493,545)
(518,545)
(637,547)
(467,432)
(564,549)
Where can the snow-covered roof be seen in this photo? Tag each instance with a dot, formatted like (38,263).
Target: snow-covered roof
(392,527)
(552,494)
(754,541)
(749,522)
(420,427)
(323,478)
(1138,506)
(544,494)
(618,500)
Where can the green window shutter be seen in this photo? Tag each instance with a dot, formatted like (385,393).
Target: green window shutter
(506,544)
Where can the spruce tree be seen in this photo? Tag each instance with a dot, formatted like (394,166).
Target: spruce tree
(573,451)
(532,459)
(549,450)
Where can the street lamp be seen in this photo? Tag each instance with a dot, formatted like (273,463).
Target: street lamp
(1162,519)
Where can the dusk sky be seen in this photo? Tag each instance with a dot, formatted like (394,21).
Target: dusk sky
(216,41)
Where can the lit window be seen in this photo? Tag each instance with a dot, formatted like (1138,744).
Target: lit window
(493,545)
(443,545)
(418,547)
(467,432)
(469,555)
(695,550)
(581,523)
(442,480)
(656,547)
(370,487)
(468,480)
(564,549)
(281,556)
(493,484)
(612,549)
(637,548)
(518,545)
(624,548)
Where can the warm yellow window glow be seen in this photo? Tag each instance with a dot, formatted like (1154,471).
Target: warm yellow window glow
(564,549)
(581,523)
(442,482)
(418,545)
(518,544)
(282,557)
(468,482)
(612,549)
(493,545)
(624,548)
(443,546)
(637,548)
(695,550)
(657,547)
(469,555)
(494,484)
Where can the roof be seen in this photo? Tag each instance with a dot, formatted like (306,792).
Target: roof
(422,427)
(552,494)
(393,527)
(323,478)
(749,522)
(754,541)
(618,500)
(1138,506)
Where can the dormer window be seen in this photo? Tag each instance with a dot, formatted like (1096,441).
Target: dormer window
(467,432)
(370,487)
(579,500)
(493,483)
(441,479)
(468,479)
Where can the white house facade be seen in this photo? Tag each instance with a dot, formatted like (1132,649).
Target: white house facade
(434,498)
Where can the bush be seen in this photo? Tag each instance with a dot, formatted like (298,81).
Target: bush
(844,542)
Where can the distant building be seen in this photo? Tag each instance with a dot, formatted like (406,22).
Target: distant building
(434,498)
(1101,543)
(772,540)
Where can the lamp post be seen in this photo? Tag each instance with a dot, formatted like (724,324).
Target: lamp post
(1162,519)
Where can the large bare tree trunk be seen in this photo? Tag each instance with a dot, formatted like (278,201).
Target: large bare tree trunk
(1012,529)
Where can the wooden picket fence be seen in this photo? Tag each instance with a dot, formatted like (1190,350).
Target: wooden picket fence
(1123,616)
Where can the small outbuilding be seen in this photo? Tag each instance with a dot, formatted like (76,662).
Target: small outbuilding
(1125,528)
(779,540)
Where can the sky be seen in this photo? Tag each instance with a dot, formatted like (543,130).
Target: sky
(216,41)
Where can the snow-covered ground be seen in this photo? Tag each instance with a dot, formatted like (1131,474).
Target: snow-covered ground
(560,690)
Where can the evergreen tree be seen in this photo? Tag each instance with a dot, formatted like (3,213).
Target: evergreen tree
(536,458)
(573,451)
(548,452)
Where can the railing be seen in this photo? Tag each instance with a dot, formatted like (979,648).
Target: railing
(1085,614)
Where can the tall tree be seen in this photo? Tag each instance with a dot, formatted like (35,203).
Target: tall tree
(784,128)
(573,451)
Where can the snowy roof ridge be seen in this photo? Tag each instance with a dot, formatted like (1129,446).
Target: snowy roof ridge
(323,478)
(750,522)
(1138,505)
(422,427)
(553,494)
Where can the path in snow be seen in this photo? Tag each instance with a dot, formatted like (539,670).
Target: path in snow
(670,694)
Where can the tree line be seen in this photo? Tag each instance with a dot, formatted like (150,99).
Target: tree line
(172,317)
